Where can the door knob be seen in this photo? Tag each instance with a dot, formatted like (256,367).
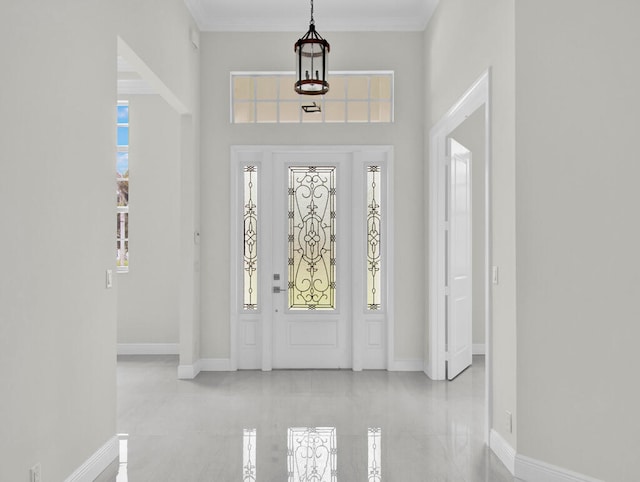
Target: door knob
(277,289)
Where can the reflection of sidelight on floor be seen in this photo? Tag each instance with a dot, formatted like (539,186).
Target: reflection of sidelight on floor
(374,455)
(249,447)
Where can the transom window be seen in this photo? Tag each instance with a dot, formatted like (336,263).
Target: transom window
(269,97)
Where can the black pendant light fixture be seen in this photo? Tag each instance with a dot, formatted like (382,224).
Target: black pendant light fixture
(311,62)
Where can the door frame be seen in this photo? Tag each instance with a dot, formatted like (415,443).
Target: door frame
(476,96)
(370,349)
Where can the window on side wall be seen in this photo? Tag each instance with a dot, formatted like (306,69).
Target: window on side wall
(122,182)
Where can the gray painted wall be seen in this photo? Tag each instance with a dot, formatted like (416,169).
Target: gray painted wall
(148,295)
(57,202)
(578,235)
(463,39)
(226,52)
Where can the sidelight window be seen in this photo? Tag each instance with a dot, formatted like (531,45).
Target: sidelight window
(373,237)
(250,238)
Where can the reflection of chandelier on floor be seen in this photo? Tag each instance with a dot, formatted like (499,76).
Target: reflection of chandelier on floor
(311,62)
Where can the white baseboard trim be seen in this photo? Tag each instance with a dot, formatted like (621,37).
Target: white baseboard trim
(426,368)
(148,349)
(533,470)
(407,365)
(503,451)
(188,372)
(215,365)
(97,463)
(479,349)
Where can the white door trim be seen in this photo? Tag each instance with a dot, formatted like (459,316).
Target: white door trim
(368,349)
(476,96)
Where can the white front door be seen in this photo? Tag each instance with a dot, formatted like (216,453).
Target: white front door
(459,327)
(311,258)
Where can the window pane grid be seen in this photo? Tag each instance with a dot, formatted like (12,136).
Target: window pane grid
(355,97)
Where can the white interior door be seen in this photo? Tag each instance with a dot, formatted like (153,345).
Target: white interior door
(311,299)
(459,279)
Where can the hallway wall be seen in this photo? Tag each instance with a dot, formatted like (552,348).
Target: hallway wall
(226,52)
(148,295)
(463,39)
(578,234)
(57,205)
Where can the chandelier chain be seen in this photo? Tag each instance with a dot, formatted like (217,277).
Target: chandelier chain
(312,21)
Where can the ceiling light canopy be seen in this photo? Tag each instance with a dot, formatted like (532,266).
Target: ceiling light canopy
(311,62)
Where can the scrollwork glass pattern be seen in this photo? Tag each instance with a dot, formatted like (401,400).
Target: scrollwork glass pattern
(250,237)
(312,455)
(373,238)
(312,238)
(249,455)
(374,455)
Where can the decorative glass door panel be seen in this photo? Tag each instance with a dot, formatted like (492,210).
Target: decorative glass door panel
(312,238)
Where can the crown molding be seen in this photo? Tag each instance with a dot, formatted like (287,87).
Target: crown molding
(210,20)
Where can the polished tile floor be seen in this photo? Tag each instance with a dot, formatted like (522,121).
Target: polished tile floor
(307,426)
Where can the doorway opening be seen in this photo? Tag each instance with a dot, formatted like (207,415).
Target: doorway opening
(451,344)
(458,234)
(156,296)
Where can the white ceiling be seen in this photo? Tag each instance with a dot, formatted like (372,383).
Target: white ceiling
(294,15)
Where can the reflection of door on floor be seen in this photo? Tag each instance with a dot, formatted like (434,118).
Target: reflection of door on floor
(459,279)
(310,288)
